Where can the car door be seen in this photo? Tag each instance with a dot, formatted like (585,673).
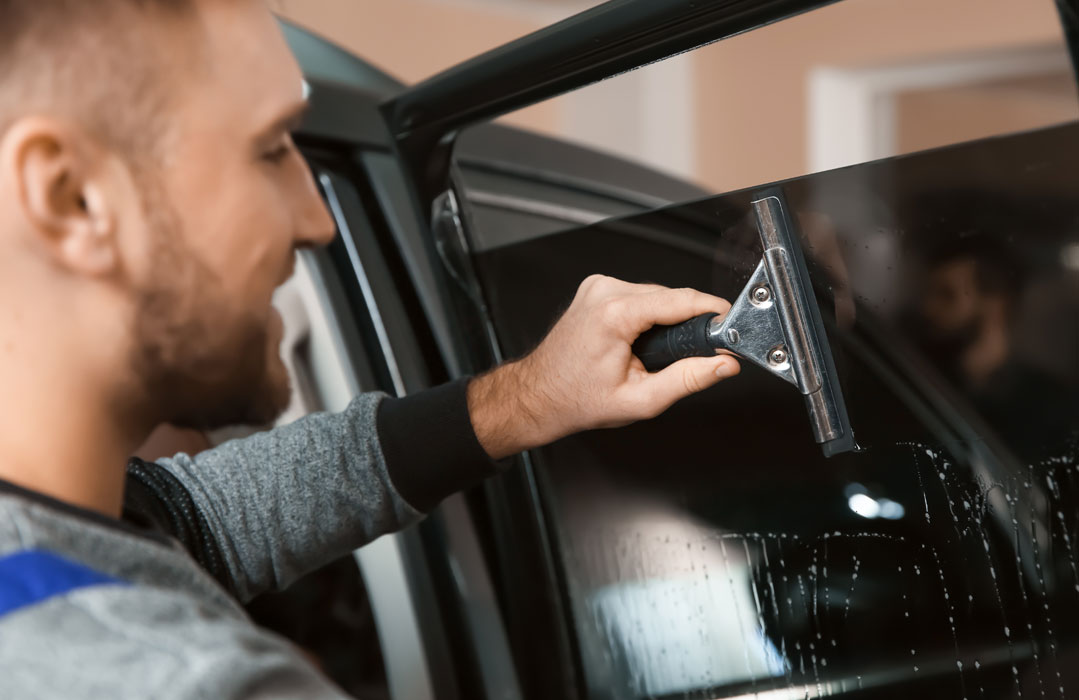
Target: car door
(714,551)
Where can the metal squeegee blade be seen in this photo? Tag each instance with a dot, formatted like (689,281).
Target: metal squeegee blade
(803,328)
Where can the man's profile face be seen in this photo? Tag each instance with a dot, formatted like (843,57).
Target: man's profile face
(224,210)
(953,302)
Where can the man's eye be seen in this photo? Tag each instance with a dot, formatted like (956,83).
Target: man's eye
(278,154)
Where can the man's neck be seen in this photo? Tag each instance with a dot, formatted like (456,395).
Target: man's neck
(987,354)
(53,444)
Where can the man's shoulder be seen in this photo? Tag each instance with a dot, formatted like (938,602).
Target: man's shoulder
(70,642)
(116,639)
(30,577)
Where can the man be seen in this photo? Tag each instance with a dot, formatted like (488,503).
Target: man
(967,320)
(150,201)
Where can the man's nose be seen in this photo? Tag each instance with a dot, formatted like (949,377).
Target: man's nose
(314,224)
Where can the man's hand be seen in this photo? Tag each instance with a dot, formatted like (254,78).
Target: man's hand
(584,374)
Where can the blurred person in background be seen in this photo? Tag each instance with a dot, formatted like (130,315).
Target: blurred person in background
(969,310)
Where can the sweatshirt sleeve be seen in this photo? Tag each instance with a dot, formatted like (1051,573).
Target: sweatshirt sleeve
(280,504)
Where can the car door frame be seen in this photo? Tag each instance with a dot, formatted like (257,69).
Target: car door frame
(424,123)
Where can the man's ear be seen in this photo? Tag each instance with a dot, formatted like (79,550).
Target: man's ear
(60,174)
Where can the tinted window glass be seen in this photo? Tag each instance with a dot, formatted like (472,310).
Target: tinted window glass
(715,552)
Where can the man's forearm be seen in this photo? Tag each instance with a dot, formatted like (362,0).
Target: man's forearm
(259,512)
(284,502)
(507,414)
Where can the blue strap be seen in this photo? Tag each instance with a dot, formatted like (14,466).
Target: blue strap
(34,576)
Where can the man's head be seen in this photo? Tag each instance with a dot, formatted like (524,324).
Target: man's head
(971,282)
(151,200)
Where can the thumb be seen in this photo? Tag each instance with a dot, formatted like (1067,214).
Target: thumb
(691,375)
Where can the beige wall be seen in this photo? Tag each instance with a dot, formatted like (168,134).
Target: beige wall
(748,94)
(931,118)
(754,85)
(414,39)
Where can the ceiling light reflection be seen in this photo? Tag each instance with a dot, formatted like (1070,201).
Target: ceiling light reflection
(871,508)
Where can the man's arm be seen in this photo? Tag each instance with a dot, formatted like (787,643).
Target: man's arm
(260,512)
(280,504)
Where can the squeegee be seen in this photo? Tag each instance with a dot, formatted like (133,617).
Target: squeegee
(774,323)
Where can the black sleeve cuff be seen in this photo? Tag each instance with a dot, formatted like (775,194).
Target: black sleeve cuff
(430,447)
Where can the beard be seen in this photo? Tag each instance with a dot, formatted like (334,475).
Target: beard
(946,348)
(202,363)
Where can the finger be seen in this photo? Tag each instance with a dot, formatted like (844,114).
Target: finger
(669,307)
(690,376)
(602,286)
(627,288)
(645,288)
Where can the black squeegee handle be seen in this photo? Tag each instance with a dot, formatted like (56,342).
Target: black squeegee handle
(662,346)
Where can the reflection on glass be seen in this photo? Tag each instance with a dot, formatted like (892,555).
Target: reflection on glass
(682,622)
(966,323)
(862,503)
(714,552)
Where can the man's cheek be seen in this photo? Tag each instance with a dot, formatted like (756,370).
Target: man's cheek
(269,261)
(276,327)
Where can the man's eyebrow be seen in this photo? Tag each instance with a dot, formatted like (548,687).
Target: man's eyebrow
(288,122)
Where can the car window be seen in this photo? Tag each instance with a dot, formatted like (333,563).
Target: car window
(847,83)
(715,552)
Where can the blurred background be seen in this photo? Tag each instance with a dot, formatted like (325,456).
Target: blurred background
(856,81)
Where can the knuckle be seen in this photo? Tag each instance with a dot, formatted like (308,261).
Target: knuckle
(613,310)
(681,297)
(592,283)
(691,381)
(687,296)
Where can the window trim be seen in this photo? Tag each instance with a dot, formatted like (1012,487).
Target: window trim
(864,128)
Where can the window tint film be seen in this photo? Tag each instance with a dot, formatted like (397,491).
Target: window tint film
(713,552)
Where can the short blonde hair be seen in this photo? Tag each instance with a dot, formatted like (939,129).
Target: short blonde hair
(90,61)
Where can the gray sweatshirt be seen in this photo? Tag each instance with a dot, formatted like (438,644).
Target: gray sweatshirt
(149,606)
